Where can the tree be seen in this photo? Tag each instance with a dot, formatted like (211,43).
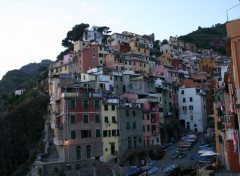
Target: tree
(156,44)
(72,36)
(104,30)
(75,34)
(164,42)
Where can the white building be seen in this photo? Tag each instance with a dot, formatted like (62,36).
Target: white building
(193,108)
(93,35)
(117,38)
(20,91)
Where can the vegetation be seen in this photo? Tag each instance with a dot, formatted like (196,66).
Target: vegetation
(21,119)
(208,38)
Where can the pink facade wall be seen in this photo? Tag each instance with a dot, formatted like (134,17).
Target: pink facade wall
(88,60)
(158,71)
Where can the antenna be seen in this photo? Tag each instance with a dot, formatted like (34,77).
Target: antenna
(231,9)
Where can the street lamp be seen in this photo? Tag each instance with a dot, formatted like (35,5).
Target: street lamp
(66,143)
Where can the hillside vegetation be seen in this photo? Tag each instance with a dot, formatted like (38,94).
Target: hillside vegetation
(208,38)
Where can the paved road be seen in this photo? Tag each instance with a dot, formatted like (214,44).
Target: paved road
(184,163)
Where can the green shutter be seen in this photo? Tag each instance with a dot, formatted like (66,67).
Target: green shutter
(85,103)
(73,134)
(72,103)
(97,118)
(128,125)
(98,133)
(97,103)
(134,125)
(85,118)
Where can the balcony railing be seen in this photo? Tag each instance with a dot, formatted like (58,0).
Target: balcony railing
(75,95)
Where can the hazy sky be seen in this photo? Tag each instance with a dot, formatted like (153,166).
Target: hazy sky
(32,30)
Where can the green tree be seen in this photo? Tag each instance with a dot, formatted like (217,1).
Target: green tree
(164,42)
(72,36)
(105,33)
(75,34)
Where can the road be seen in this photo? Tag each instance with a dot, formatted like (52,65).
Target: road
(184,163)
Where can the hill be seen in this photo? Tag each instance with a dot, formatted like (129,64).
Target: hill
(15,79)
(208,38)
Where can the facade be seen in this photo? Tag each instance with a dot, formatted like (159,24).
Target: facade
(117,38)
(89,58)
(75,120)
(139,46)
(227,109)
(131,131)
(110,130)
(93,35)
(193,108)
(191,47)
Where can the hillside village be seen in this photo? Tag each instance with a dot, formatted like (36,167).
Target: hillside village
(115,100)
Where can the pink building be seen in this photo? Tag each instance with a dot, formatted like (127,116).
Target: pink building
(151,118)
(159,70)
(115,61)
(89,58)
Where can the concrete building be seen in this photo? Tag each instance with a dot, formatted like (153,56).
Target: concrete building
(93,35)
(131,131)
(193,108)
(110,130)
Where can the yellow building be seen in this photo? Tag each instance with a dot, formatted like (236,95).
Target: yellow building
(110,131)
(204,63)
(166,59)
(139,46)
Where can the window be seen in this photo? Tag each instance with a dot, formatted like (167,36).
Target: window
(128,125)
(94,48)
(182,92)
(148,127)
(94,55)
(106,119)
(105,134)
(85,103)
(134,113)
(191,99)
(105,107)
(134,125)
(88,149)
(98,133)
(86,134)
(127,112)
(97,103)
(73,135)
(114,119)
(184,99)
(72,103)
(143,128)
(129,142)
(113,107)
(184,108)
(191,117)
(73,118)
(148,117)
(191,107)
(114,133)
(97,118)
(78,152)
(85,118)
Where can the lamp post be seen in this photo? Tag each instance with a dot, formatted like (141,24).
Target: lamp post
(66,143)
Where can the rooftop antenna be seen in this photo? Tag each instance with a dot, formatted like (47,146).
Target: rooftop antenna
(231,9)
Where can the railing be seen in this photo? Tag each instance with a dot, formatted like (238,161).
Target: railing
(75,95)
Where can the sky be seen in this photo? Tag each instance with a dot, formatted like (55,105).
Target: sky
(32,30)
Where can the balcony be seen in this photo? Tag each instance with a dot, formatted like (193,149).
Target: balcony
(76,95)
